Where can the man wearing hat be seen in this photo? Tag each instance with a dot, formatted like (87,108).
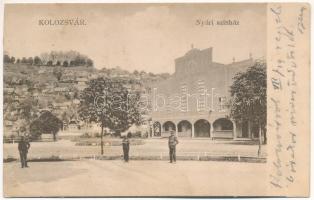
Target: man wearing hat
(23,149)
(172,143)
(126,147)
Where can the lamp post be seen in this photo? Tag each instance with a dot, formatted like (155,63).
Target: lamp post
(101,135)
(102,108)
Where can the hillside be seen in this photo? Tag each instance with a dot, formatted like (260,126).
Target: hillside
(56,88)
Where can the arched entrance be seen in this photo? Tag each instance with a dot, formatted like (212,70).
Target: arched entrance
(223,128)
(202,128)
(157,129)
(169,126)
(184,129)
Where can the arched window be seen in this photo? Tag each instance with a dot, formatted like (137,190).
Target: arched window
(169,126)
(202,128)
(157,129)
(223,124)
(184,129)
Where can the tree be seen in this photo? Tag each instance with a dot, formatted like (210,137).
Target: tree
(36,129)
(28,109)
(248,98)
(65,64)
(142,73)
(65,117)
(72,58)
(89,62)
(44,57)
(72,63)
(136,72)
(49,63)
(51,124)
(46,123)
(30,61)
(57,72)
(106,102)
(37,61)
(6,58)
(12,60)
(67,96)
(27,112)
(24,60)
(76,95)
(78,60)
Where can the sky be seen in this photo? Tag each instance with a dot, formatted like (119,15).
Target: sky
(137,36)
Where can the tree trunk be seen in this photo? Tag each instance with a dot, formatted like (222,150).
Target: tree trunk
(265,136)
(54,136)
(259,140)
(249,130)
(101,139)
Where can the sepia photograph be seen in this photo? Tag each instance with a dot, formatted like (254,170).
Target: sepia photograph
(155,100)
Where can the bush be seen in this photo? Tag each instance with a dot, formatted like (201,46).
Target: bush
(137,134)
(145,135)
(97,135)
(35,137)
(11,138)
(85,135)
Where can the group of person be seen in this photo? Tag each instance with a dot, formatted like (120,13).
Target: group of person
(172,143)
(24,146)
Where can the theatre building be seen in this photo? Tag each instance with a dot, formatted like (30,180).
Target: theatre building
(194,101)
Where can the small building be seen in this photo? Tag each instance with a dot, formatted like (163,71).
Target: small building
(73,126)
(8,90)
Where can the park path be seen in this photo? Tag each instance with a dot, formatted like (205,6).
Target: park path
(137,178)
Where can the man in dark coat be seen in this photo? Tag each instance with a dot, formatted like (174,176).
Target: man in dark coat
(172,143)
(126,148)
(23,149)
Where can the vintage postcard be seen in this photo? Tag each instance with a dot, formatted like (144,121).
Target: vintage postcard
(156,100)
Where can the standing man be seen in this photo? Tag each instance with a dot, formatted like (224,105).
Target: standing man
(126,148)
(23,149)
(172,143)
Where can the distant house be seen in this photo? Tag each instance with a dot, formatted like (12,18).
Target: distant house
(73,126)
(8,124)
(76,101)
(9,128)
(64,85)
(46,91)
(93,76)
(61,89)
(67,79)
(41,71)
(8,90)
(81,83)
(24,89)
(62,106)
(81,74)
(49,86)
(18,90)
(81,80)
(37,86)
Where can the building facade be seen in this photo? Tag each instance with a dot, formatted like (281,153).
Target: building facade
(194,101)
